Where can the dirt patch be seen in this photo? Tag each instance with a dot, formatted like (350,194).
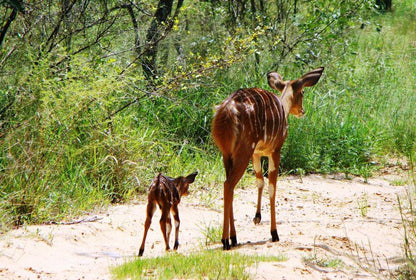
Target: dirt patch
(328,228)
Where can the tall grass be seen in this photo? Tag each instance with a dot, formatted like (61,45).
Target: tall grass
(408,215)
(363,106)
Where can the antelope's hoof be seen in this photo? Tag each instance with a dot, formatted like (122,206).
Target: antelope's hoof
(175,247)
(275,236)
(141,252)
(233,241)
(257,219)
(225,244)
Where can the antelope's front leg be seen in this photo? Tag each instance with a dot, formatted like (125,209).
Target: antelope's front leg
(260,185)
(175,212)
(274,162)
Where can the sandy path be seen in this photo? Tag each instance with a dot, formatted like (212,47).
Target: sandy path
(318,219)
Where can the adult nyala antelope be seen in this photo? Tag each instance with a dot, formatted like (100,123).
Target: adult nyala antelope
(166,192)
(252,123)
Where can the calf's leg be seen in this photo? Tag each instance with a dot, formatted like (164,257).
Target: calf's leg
(151,207)
(164,226)
(175,212)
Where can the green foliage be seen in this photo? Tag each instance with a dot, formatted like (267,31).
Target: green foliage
(209,264)
(333,263)
(212,234)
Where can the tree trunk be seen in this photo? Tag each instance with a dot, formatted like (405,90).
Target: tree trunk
(154,35)
(6,26)
(281,11)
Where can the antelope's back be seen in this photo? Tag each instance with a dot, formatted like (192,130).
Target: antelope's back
(253,115)
(163,189)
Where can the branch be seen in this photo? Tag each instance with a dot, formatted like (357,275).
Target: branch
(11,17)
(127,105)
(52,36)
(98,37)
(135,25)
(85,220)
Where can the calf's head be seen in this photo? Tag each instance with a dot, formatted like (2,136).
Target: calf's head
(182,183)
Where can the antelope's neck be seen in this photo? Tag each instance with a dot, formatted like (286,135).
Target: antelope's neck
(286,104)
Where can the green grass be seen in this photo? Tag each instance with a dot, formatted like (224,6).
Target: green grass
(334,263)
(208,264)
(212,234)
(362,203)
(408,216)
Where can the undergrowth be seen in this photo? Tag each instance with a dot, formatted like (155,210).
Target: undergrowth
(88,136)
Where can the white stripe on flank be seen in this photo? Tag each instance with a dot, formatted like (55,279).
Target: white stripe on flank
(263,107)
(250,112)
(258,123)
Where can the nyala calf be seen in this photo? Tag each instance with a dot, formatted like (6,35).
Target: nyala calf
(166,192)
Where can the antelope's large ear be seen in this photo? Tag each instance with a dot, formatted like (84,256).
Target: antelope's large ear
(275,81)
(311,78)
(191,177)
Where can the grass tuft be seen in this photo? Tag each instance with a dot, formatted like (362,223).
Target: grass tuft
(208,264)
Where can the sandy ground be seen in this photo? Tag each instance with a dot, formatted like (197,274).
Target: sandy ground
(321,220)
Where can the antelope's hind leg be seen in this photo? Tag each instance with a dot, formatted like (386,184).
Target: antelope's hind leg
(234,170)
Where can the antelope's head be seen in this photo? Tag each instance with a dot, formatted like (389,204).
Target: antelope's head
(292,90)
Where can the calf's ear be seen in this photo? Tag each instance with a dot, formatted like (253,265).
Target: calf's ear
(191,177)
